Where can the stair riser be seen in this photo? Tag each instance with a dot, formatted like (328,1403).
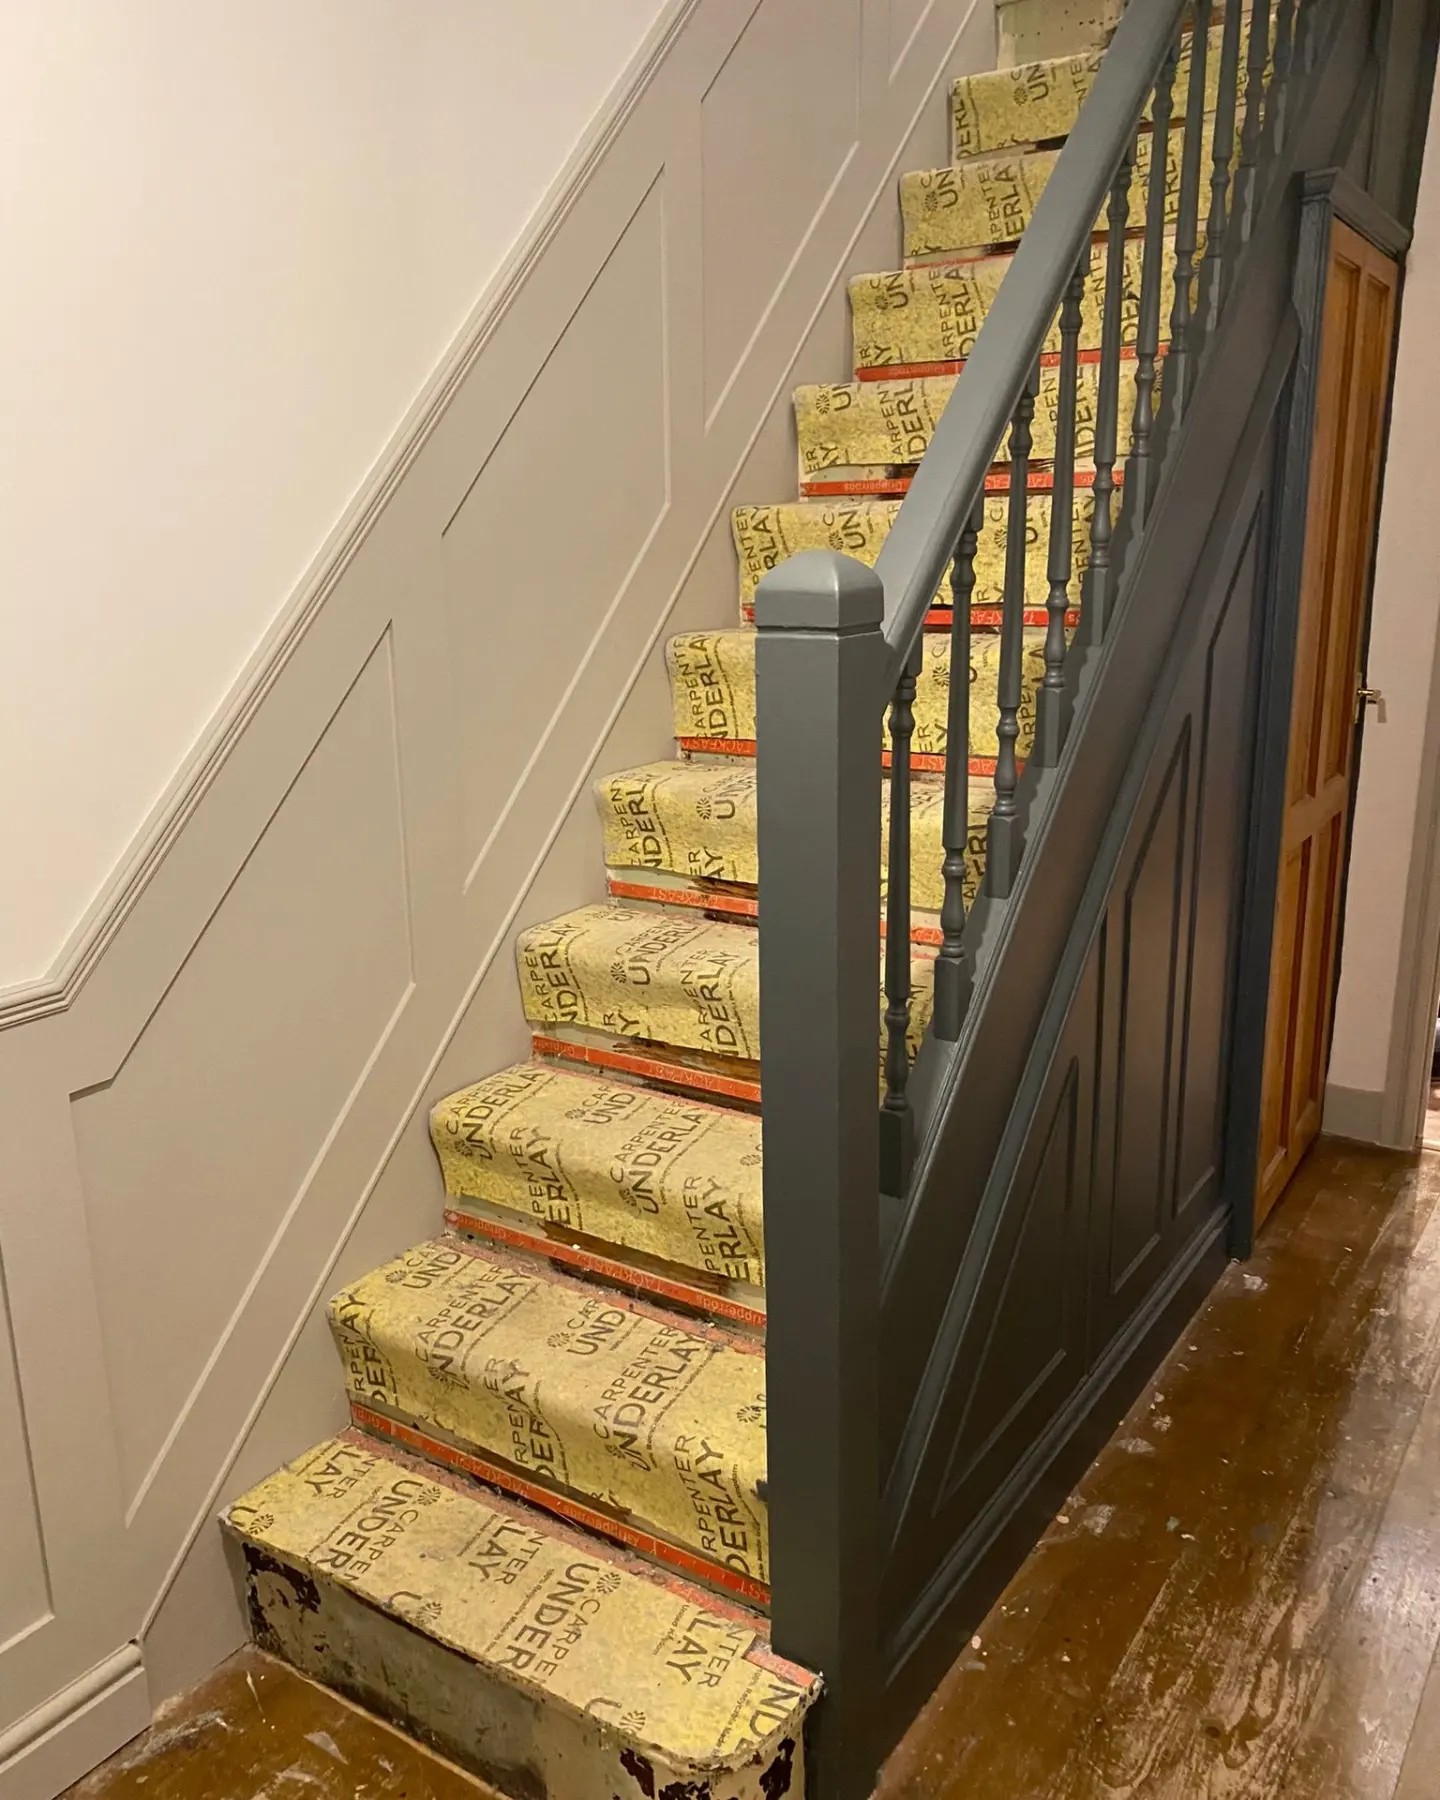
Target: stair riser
(655,821)
(976,206)
(691,1074)
(766,535)
(1039,102)
(876,426)
(538,1660)
(666,1285)
(712,678)
(925,321)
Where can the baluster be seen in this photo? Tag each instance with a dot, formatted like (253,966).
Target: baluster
(1178,362)
(954,978)
(1003,841)
(1095,593)
(897,1123)
(1207,315)
(1257,54)
(1280,78)
(1051,719)
(1139,472)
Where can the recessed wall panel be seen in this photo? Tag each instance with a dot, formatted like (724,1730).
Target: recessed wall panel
(192,1155)
(778,124)
(906,17)
(583,462)
(24,1587)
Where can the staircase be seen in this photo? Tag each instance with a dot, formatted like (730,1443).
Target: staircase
(544,1543)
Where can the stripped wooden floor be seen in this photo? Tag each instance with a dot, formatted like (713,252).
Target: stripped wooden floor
(255,1730)
(1242,1600)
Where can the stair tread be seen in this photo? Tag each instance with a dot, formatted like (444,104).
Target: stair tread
(640,973)
(766,535)
(920,320)
(532,1605)
(1029,103)
(637,972)
(672,1178)
(712,680)
(686,818)
(889,423)
(1037,102)
(697,819)
(655,1422)
(989,200)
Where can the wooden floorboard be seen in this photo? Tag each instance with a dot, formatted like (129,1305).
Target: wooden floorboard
(255,1730)
(1243,1597)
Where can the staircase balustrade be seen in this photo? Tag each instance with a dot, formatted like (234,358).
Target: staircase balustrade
(831,666)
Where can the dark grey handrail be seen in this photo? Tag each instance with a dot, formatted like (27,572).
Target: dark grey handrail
(916,555)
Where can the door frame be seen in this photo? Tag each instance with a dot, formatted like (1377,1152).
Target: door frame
(1326,195)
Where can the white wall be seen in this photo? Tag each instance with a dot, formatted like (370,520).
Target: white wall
(1385,958)
(237,241)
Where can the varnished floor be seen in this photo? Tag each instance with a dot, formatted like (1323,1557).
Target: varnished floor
(257,1731)
(1242,1600)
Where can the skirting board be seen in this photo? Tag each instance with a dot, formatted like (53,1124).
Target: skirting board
(83,1724)
(1358,1113)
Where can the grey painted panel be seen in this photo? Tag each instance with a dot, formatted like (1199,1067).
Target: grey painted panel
(1152,927)
(1226,746)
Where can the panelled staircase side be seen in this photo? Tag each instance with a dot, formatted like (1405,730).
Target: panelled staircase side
(1058,1162)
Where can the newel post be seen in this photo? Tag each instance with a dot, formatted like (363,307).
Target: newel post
(820,664)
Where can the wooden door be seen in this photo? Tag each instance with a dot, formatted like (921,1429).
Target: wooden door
(1348,441)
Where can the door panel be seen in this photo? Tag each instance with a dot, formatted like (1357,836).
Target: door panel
(1340,530)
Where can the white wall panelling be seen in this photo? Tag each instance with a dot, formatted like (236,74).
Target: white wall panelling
(217,1112)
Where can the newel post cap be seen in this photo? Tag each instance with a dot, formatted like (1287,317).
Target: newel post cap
(820,590)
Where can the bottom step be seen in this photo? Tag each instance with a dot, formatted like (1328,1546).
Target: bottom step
(548,1663)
